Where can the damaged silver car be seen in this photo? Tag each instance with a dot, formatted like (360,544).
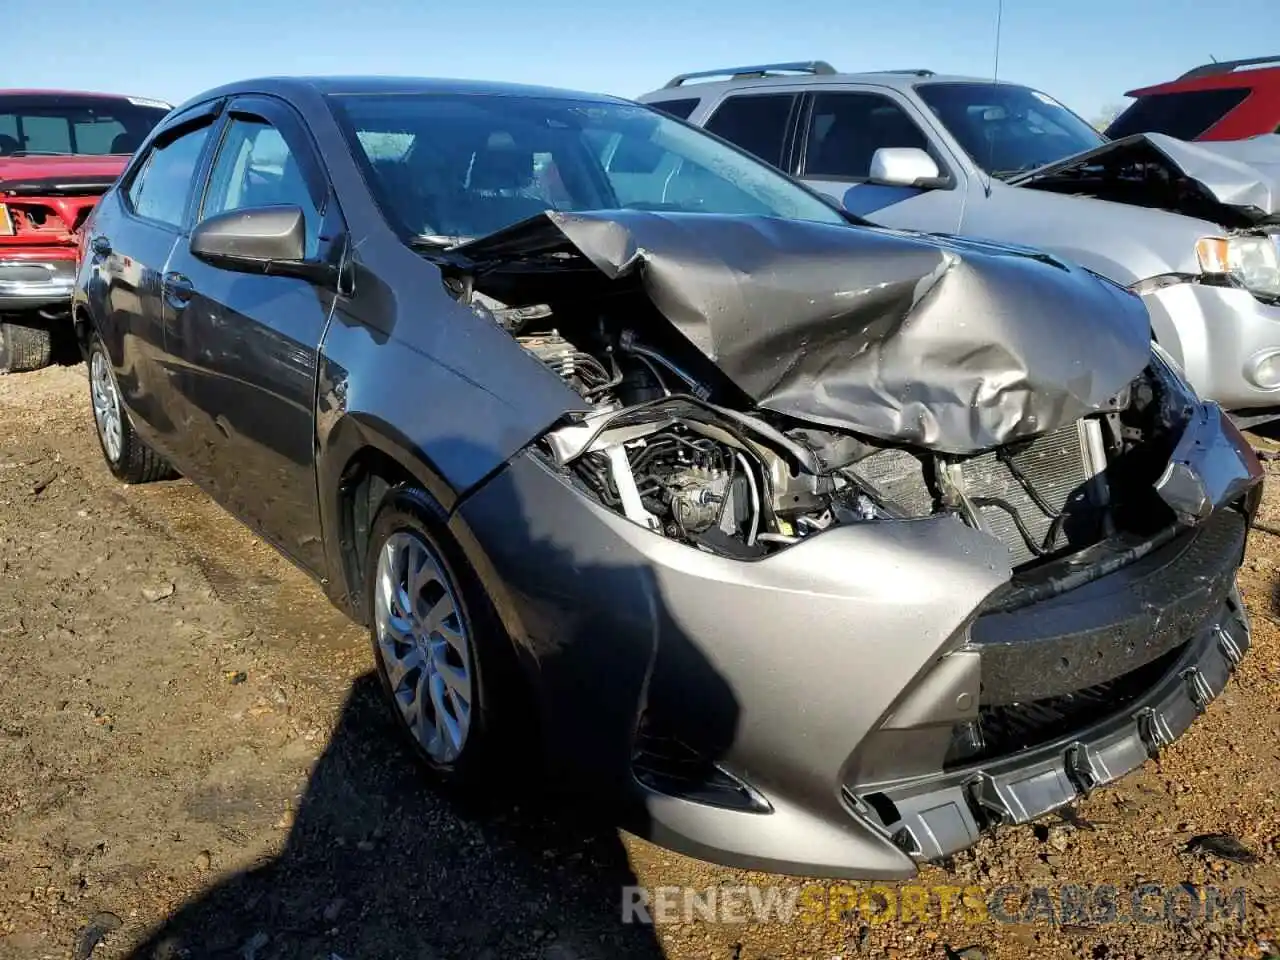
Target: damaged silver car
(814,547)
(1194,228)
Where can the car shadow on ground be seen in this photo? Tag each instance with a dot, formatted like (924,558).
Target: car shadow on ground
(379,864)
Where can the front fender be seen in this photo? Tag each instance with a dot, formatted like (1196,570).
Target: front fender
(377,392)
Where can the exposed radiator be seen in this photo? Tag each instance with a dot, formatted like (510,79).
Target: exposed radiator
(1063,468)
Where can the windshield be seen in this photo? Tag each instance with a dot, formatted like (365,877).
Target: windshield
(66,124)
(1008,129)
(451,167)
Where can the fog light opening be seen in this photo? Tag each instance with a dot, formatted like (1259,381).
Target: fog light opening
(1263,370)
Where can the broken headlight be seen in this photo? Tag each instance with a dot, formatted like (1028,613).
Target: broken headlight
(1172,376)
(1252,262)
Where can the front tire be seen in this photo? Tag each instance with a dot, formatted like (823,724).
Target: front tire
(24,347)
(128,457)
(440,650)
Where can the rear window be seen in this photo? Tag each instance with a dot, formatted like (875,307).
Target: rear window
(69,124)
(1182,115)
(680,109)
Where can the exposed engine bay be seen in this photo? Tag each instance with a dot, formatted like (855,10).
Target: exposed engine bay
(1234,183)
(660,450)
(721,431)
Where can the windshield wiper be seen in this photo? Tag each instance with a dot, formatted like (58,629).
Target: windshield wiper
(40,153)
(436,241)
(1025,168)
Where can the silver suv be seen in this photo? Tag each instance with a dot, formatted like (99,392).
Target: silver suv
(1193,227)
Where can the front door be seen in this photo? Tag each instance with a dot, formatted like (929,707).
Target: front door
(843,129)
(249,342)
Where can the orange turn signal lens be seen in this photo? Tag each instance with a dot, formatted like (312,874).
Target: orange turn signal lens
(1214,254)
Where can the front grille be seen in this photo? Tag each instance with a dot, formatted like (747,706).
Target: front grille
(1055,467)
(1006,729)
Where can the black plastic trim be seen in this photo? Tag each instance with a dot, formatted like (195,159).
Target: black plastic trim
(1113,625)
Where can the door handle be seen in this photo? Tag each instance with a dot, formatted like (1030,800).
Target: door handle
(101,246)
(178,290)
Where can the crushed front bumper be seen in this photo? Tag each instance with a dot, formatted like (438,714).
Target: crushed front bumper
(35,284)
(815,694)
(1174,647)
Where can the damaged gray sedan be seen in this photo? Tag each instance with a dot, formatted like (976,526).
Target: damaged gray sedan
(815,548)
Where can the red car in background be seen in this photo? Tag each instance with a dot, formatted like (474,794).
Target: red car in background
(1233,100)
(59,152)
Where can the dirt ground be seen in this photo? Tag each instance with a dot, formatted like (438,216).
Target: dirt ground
(194,762)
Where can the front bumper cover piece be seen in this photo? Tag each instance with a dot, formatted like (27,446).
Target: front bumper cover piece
(833,675)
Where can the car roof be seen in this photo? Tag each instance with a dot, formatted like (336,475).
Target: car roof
(88,94)
(897,79)
(358,85)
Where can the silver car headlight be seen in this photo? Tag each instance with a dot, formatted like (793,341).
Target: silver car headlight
(1252,262)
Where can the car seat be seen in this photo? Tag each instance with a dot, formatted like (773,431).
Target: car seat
(499,188)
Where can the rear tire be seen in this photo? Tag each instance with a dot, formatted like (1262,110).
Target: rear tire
(24,347)
(446,651)
(128,457)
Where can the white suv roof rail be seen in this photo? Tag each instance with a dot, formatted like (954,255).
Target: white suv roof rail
(761,70)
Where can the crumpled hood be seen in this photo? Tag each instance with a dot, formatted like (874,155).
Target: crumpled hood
(951,345)
(1241,174)
(38,174)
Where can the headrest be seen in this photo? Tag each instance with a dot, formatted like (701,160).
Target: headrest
(501,165)
(124,143)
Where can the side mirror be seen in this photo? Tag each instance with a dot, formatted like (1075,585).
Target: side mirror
(269,240)
(905,167)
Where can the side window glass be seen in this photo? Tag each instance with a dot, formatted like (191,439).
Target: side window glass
(256,168)
(160,190)
(847,129)
(677,108)
(757,124)
(134,192)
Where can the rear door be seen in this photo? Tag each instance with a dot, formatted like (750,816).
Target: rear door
(762,123)
(133,235)
(247,342)
(840,131)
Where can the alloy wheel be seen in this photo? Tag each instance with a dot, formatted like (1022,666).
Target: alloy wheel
(423,643)
(106,406)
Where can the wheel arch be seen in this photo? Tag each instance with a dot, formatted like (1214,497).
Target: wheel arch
(362,457)
(361,464)
(82,327)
